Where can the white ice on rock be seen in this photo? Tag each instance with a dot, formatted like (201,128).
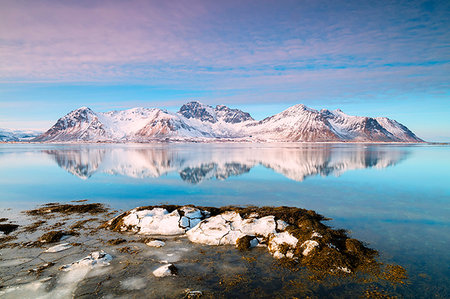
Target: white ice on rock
(159,221)
(59,247)
(226,228)
(316,234)
(277,240)
(308,246)
(223,229)
(96,258)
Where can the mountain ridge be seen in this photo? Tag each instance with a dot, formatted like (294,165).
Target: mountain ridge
(199,122)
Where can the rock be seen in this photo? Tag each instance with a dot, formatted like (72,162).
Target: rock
(192,294)
(97,258)
(59,247)
(166,270)
(309,246)
(156,243)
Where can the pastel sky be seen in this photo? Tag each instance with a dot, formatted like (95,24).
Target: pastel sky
(371,58)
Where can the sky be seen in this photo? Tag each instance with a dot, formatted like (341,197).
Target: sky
(368,58)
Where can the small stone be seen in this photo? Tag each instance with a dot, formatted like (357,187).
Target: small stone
(156,243)
(193,294)
(166,270)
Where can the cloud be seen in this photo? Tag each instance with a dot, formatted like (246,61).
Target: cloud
(290,48)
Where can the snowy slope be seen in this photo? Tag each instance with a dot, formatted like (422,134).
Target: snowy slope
(8,135)
(198,122)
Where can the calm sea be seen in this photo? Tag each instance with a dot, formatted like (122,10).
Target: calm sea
(396,198)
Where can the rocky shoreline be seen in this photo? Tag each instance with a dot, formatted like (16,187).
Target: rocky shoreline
(80,248)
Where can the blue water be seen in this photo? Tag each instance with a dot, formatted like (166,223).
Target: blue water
(396,198)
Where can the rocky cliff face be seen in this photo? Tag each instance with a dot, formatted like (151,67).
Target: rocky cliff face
(207,113)
(198,122)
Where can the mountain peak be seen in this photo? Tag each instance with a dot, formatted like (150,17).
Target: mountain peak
(299,108)
(197,110)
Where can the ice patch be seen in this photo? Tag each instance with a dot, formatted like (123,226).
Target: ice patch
(133,283)
(309,246)
(281,225)
(59,247)
(97,258)
(278,240)
(159,221)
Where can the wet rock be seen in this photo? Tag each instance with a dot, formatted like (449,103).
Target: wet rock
(8,228)
(166,270)
(41,268)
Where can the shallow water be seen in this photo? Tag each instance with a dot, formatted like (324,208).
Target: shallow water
(394,197)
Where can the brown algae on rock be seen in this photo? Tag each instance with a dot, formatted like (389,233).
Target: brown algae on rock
(91,208)
(294,235)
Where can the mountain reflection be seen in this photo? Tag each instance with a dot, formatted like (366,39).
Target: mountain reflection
(199,163)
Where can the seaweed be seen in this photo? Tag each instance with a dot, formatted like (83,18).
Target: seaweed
(128,249)
(80,224)
(243,243)
(116,241)
(91,208)
(55,236)
(33,226)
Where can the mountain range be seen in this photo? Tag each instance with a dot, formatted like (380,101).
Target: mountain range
(199,122)
(7,135)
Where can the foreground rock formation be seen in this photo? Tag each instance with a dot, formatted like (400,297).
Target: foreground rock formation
(288,233)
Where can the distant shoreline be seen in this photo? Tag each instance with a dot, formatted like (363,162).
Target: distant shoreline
(225,142)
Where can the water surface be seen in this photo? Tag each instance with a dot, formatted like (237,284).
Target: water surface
(394,197)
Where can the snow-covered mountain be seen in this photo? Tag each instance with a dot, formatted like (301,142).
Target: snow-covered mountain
(7,135)
(198,122)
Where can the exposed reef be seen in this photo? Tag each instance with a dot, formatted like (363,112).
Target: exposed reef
(294,234)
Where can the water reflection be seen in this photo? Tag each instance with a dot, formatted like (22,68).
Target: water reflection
(196,164)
